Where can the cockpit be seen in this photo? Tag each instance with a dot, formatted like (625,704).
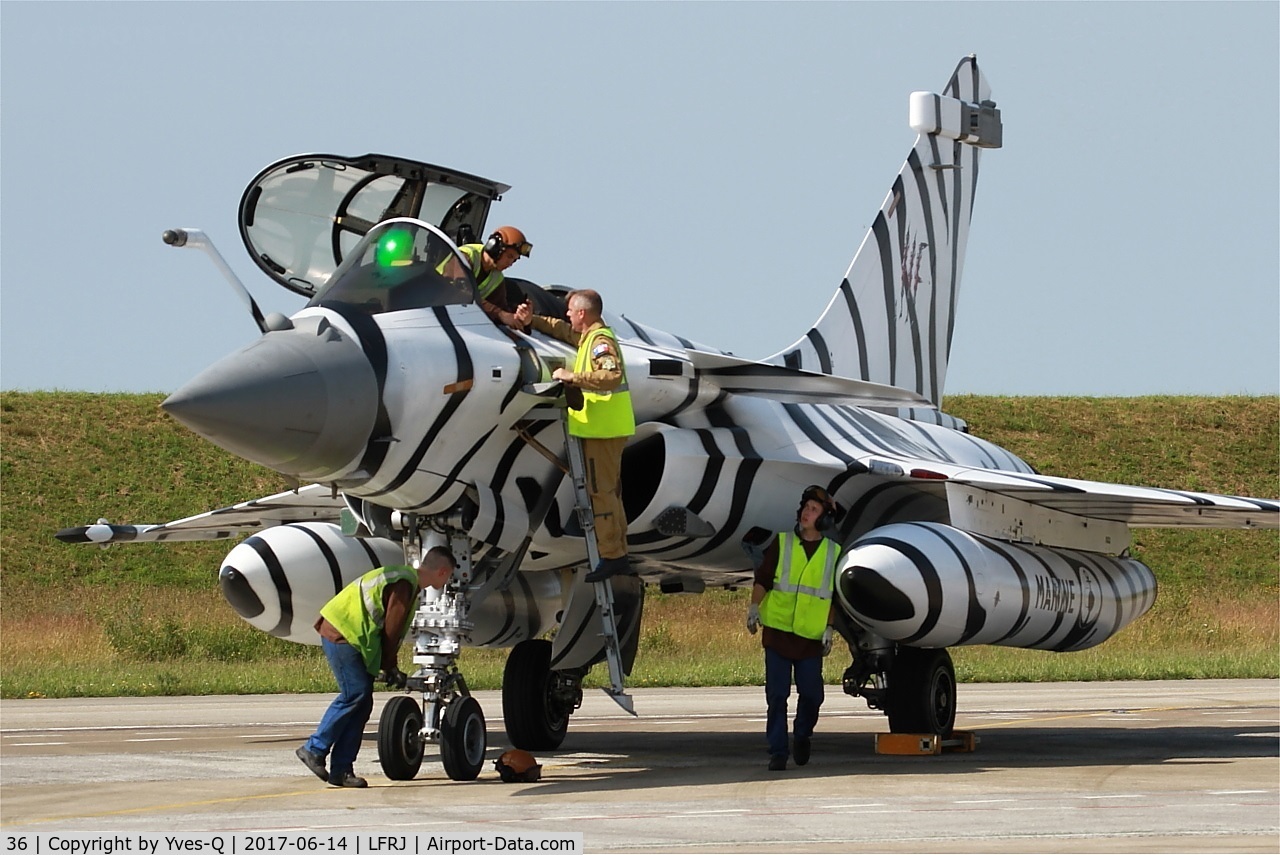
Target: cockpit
(404,265)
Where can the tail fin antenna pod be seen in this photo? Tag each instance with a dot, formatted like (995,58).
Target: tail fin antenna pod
(892,318)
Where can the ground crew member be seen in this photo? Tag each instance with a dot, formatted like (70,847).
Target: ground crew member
(505,247)
(792,598)
(360,630)
(603,423)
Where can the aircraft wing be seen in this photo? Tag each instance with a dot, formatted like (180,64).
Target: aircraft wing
(1123,503)
(313,503)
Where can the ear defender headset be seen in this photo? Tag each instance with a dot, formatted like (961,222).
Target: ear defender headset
(494,246)
(816,493)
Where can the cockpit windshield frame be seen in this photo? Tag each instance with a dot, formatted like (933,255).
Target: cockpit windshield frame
(401,264)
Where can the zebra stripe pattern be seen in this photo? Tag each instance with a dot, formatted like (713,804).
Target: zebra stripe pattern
(931,585)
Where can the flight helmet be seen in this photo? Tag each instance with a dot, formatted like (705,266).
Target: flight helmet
(518,767)
(831,511)
(507,237)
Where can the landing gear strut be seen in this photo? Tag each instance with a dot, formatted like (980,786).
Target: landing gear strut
(448,714)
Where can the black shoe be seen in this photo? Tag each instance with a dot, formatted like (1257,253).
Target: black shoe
(349,779)
(778,763)
(801,751)
(607,568)
(313,761)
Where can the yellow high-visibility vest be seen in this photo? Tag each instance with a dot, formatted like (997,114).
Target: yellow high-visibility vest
(603,414)
(800,600)
(473,252)
(357,610)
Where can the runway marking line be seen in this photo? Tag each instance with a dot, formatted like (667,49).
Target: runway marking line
(181,805)
(1090,714)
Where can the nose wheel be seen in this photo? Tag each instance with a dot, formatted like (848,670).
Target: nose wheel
(463,739)
(402,738)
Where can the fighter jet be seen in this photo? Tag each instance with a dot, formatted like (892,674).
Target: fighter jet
(412,419)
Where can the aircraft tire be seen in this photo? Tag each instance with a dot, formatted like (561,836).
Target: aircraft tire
(400,746)
(463,739)
(922,692)
(532,717)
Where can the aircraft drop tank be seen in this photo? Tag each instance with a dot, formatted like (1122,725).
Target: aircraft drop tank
(301,401)
(932,585)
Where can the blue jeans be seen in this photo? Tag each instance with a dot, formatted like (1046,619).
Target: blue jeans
(342,727)
(777,688)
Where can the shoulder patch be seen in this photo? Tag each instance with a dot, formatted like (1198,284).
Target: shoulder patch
(601,347)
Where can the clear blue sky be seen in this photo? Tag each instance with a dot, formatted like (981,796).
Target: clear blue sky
(709,167)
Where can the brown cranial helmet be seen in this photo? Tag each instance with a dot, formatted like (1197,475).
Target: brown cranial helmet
(518,767)
(507,237)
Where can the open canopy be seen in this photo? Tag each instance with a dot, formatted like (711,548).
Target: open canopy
(301,216)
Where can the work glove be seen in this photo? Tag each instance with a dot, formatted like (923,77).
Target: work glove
(394,678)
(753,618)
(828,635)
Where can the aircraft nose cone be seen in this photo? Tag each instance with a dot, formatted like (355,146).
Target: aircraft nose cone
(300,401)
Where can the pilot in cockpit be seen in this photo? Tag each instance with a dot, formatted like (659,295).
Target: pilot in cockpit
(505,247)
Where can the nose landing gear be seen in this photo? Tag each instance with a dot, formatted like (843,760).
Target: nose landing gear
(448,715)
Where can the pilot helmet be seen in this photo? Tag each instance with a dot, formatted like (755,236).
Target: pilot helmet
(507,237)
(518,767)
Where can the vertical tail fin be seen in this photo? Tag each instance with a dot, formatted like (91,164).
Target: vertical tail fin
(892,318)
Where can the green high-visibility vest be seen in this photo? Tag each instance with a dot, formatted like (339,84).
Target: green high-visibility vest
(800,600)
(603,414)
(357,610)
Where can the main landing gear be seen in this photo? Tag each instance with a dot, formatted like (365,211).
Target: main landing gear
(914,686)
(537,701)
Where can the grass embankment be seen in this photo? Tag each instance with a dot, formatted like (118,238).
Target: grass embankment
(147,619)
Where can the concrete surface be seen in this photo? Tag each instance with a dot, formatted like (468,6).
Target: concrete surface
(1162,766)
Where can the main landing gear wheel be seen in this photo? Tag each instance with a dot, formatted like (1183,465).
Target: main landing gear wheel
(922,692)
(534,719)
(400,738)
(463,739)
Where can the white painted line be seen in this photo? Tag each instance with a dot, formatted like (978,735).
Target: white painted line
(28,730)
(981,801)
(1117,796)
(157,739)
(16,744)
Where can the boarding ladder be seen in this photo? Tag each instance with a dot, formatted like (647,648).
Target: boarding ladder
(604,588)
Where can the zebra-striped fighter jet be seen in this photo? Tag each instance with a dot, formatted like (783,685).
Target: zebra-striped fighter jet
(414,419)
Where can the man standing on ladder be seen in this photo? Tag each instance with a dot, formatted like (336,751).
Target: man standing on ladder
(603,421)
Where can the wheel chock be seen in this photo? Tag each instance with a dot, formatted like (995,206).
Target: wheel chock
(924,744)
